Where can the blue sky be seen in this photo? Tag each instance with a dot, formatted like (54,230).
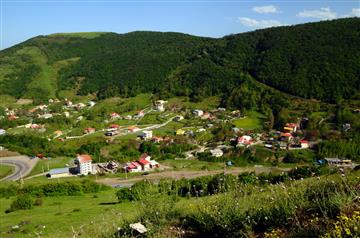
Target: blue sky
(23,19)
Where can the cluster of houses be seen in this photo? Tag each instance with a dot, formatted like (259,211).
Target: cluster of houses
(143,164)
(287,139)
(116,116)
(84,166)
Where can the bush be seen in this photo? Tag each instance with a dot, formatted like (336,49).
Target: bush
(22,202)
(124,194)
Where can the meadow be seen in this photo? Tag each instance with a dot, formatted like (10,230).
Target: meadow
(253,120)
(5,170)
(308,208)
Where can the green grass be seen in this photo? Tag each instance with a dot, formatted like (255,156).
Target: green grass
(87,35)
(60,214)
(252,121)
(5,170)
(44,165)
(194,165)
(169,129)
(206,104)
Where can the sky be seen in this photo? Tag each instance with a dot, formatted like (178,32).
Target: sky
(24,19)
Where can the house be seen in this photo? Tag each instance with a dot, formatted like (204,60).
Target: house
(140,113)
(146,135)
(145,164)
(128,117)
(36,126)
(58,133)
(189,133)
(2,132)
(283,145)
(154,164)
(160,105)
(68,103)
(114,115)
(91,103)
(216,152)
(200,130)
(133,167)
(113,127)
(12,117)
(156,139)
(235,130)
(245,140)
(304,144)
(145,157)
(198,112)
(58,173)
(67,114)
(178,118)
(346,126)
(41,107)
(180,132)
(46,116)
(89,130)
(286,137)
(132,129)
(84,165)
(290,127)
(338,162)
(205,115)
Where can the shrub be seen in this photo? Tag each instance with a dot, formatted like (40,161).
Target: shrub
(124,194)
(22,202)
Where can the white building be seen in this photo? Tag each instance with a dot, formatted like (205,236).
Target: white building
(178,118)
(160,105)
(46,116)
(216,152)
(84,165)
(198,112)
(2,132)
(91,103)
(146,135)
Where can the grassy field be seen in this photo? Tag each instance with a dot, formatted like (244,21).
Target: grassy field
(253,120)
(206,104)
(193,165)
(58,215)
(44,165)
(5,170)
(87,35)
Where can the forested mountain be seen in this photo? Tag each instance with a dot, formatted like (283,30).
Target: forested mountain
(315,60)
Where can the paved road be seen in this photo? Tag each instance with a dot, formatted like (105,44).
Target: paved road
(23,166)
(155,177)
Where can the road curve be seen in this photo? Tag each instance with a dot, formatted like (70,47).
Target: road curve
(23,166)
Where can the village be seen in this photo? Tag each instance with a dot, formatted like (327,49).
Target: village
(209,134)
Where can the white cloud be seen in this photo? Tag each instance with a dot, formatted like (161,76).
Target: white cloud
(355,12)
(258,24)
(266,9)
(324,13)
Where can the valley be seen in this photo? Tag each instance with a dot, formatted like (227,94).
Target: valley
(163,134)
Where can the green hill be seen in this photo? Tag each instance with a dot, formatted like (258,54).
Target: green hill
(314,60)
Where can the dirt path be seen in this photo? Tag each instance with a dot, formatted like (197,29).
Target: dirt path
(155,177)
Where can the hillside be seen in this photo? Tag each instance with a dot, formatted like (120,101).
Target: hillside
(314,60)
